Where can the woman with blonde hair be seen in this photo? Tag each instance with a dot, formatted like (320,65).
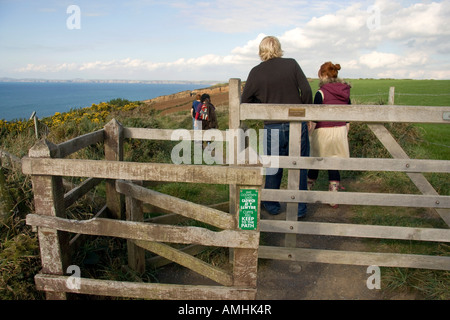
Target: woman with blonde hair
(329,138)
(278,80)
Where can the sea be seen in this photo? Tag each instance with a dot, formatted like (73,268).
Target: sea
(18,100)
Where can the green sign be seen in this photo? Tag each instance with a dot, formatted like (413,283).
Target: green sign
(248,209)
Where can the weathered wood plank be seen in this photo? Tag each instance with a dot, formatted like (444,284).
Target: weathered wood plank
(218,275)
(149,232)
(154,291)
(358,198)
(143,171)
(234,122)
(359,164)
(76,193)
(245,260)
(158,261)
(136,255)
(355,258)
(76,240)
(78,143)
(356,230)
(295,138)
(182,207)
(113,137)
(353,113)
(171,134)
(49,201)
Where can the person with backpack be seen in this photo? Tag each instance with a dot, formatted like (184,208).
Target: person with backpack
(195,104)
(205,116)
(206,113)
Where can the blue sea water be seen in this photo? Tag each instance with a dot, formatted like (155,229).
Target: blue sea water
(18,100)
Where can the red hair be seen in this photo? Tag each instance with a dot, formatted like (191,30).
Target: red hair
(329,70)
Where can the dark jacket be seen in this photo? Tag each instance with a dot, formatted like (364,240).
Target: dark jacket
(278,80)
(334,92)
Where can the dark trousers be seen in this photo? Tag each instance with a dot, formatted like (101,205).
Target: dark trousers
(333,175)
(274,175)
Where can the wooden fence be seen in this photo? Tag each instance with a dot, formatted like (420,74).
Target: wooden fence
(58,234)
(374,116)
(122,215)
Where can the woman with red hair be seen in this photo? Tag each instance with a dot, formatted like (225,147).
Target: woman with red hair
(329,138)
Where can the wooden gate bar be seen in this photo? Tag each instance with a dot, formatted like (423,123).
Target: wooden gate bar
(359,164)
(185,208)
(358,198)
(356,230)
(188,261)
(399,260)
(52,283)
(149,231)
(295,138)
(352,113)
(142,171)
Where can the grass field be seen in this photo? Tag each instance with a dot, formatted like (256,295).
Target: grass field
(19,251)
(407,92)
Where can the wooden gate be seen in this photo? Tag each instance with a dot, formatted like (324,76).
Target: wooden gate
(122,215)
(47,166)
(374,116)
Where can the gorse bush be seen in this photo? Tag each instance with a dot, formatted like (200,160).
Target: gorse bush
(19,250)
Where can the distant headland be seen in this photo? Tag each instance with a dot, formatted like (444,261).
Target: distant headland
(78,80)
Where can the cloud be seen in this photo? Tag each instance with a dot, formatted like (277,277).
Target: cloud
(377,41)
(376,60)
(381,40)
(235,16)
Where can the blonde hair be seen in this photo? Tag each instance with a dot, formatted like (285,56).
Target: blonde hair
(270,48)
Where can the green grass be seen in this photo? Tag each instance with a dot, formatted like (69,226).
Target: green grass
(407,92)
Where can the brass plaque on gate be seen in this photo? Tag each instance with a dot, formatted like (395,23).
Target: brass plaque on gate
(297,112)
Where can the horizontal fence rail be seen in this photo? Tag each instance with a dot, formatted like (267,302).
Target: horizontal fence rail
(357,164)
(357,198)
(148,231)
(354,230)
(352,113)
(141,171)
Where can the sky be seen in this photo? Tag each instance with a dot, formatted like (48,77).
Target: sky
(218,40)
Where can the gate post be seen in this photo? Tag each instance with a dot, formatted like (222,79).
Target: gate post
(133,212)
(234,122)
(114,151)
(245,261)
(49,201)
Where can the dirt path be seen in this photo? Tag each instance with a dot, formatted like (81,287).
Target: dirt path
(290,280)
